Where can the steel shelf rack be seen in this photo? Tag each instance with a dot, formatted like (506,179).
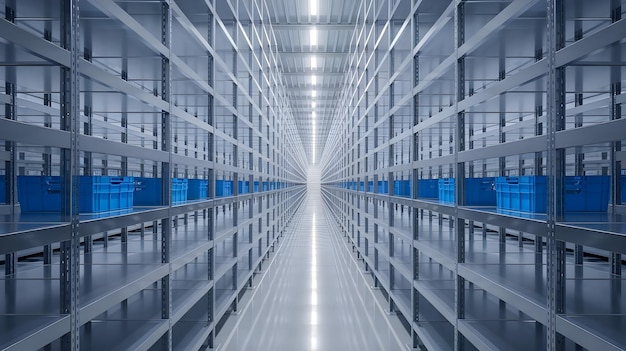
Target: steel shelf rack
(468,89)
(165,89)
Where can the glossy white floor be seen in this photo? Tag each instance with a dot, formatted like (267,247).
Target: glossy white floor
(306,300)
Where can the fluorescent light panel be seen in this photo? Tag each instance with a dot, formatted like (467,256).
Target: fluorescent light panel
(313,80)
(313,7)
(313,36)
(313,62)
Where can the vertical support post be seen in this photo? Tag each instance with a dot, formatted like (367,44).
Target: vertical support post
(538,164)
(10,165)
(124,123)
(47,155)
(70,249)
(166,171)
(415,219)
(211,152)
(10,261)
(502,136)
(616,165)
(616,146)
(578,119)
(555,172)
(459,192)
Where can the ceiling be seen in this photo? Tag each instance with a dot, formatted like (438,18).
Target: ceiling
(313,70)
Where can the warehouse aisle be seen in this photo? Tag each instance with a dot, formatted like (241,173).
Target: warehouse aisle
(309,305)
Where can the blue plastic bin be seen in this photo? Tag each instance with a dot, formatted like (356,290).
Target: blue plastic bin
(223,188)
(39,193)
(105,193)
(623,189)
(529,193)
(96,193)
(148,191)
(428,188)
(197,189)
(3,189)
(446,190)
(478,191)
(397,187)
(179,190)
(402,188)
(587,193)
(244,187)
(383,187)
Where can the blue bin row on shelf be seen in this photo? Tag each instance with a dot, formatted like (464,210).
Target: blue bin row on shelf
(383,186)
(524,193)
(225,187)
(428,188)
(111,193)
(529,193)
(148,191)
(478,191)
(96,193)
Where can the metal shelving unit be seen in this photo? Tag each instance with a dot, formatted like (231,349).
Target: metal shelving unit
(466,89)
(165,89)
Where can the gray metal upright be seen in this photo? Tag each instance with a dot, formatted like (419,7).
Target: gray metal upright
(70,249)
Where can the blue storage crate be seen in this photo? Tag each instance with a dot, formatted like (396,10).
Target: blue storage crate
(623,189)
(148,191)
(524,193)
(105,193)
(96,193)
(446,190)
(244,187)
(370,186)
(529,193)
(197,189)
(266,186)
(402,188)
(478,191)
(428,188)
(587,193)
(396,187)
(219,188)
(179,190)
(223,188)
(3,189)
(39,193)
(361,186)
(383,187)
